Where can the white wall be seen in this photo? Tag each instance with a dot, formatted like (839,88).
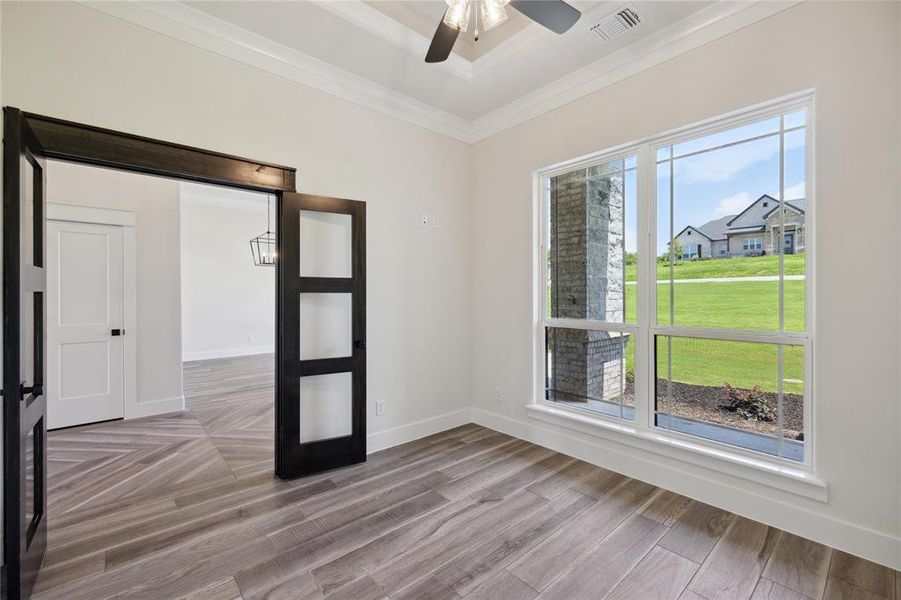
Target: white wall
(418,278)
(848,52)
(450,309)
(155,204)
(227,303)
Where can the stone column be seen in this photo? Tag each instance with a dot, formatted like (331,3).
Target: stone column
(586,259)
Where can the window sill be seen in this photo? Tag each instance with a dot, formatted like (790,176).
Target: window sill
(797,481)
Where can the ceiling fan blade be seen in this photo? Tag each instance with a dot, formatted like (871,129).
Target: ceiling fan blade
(442,43)
(556,15)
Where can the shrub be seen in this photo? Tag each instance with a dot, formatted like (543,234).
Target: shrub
(751,404)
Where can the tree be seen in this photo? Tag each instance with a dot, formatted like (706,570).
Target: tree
(677,251)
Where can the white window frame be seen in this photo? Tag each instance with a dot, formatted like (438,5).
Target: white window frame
(780,473)
(584,324)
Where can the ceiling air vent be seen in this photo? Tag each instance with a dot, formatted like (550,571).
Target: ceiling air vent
(616,24)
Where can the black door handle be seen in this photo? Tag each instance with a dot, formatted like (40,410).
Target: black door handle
(35,390)
(117,332)
(360,344)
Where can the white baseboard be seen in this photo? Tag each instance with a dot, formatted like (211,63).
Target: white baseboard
(227,353)
(873,545)
(154,407)
(381,440)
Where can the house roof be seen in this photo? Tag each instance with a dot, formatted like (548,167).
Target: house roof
(693,229)
(751,219)
(716,229)
(799,205)
(753,214)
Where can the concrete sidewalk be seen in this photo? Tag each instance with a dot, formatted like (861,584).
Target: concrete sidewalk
(728,279)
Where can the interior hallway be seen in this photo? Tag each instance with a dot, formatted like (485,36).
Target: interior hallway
(185,505)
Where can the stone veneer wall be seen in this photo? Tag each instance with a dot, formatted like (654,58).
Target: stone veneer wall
(586,263)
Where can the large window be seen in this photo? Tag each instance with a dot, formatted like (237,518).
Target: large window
(720,349)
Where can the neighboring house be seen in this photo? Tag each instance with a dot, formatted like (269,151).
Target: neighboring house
(755,231)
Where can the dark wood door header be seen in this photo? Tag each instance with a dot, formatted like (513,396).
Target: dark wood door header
(87,144)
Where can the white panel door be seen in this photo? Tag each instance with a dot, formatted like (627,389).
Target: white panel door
(85,301)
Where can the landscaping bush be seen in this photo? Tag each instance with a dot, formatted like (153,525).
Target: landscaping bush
(752,404)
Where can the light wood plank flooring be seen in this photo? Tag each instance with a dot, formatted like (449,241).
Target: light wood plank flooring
(185,506)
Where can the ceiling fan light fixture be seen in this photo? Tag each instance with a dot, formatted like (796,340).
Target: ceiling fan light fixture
(492,13)
(556,15)
(457,14)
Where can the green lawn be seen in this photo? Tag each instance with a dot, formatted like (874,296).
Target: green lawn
(726,267)
(747,305)
(751,305)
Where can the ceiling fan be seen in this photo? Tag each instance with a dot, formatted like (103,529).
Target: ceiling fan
(556,15)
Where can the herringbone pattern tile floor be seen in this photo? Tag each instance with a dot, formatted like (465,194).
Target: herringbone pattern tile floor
(186,506)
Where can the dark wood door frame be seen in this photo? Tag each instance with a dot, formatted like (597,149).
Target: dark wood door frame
(91,145)
(24,403)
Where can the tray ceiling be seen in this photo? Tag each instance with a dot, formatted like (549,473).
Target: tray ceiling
(371,52)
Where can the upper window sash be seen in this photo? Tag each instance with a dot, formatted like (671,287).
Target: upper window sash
(690,170)
(589,237)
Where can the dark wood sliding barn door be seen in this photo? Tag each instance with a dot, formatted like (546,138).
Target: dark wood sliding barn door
(24,337)
(321,335)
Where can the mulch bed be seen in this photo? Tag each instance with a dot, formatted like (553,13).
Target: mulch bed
(707,403)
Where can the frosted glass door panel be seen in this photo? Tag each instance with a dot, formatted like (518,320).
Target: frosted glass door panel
(325,244)
(325,326)
(325,406)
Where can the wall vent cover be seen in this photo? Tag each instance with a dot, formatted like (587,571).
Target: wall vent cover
(616,24)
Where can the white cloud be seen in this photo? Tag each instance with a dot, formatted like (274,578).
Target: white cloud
(795,192)
(733,205)
(726,163)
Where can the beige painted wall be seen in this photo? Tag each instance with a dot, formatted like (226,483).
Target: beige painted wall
(849,54)
(452,307)
(155,202)
(418,278)
(227,303)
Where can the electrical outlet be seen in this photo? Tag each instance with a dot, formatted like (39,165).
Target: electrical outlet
(379,408)
(424,220)
(498,397)
(250,339)
(436,222)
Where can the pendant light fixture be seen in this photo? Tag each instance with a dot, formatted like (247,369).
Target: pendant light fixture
(263,246)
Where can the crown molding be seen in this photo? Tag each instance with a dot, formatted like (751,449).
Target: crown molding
(199,29)
(705,26)
(202,30)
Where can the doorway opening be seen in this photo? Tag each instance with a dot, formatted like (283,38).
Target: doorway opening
(30,142)
(155,302)
(155,306)
(228,320)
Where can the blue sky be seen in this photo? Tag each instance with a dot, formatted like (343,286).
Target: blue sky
(722,182)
